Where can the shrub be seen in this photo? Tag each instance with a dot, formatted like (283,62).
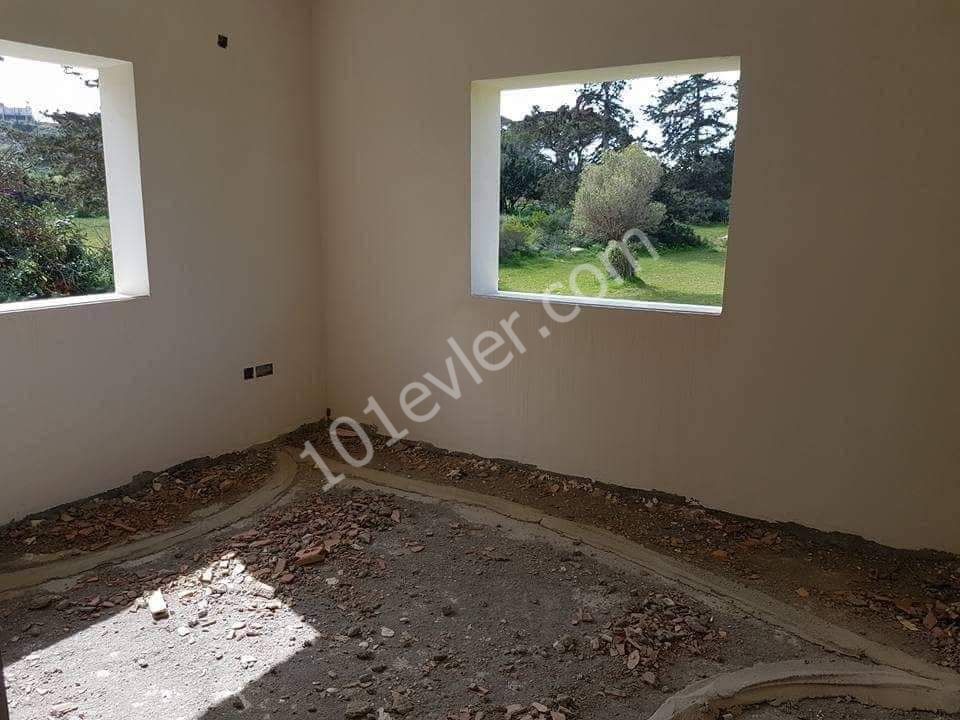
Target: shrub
(551,232)
(695,206)
(614,195)
(674,234)
(619,263)
(43,255)
(530,210)
(515,236)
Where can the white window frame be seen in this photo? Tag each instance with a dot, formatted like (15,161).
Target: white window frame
(121,151)
(485,175)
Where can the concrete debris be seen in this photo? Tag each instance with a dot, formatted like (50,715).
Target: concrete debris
(659,628)
(152,504)
(358,709)
(157,605)
(62,709)
(548,709)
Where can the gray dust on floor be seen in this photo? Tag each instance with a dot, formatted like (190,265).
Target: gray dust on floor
(361,605)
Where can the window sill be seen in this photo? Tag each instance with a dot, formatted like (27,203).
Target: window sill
(64,302)
(619,304)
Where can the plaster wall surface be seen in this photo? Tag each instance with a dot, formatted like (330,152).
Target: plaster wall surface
(91,395)
(826,393)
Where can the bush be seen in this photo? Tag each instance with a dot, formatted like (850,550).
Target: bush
(536,228)
(515,236)
(551,232)
(614,195)
(674,235)
(618,261)
(695,206)
(528,209)
(43,255)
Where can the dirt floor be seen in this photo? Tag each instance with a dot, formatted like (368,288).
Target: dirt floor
(907,599)
(355,604)
(153,503)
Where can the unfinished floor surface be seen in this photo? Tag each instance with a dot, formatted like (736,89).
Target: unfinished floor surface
(357,604)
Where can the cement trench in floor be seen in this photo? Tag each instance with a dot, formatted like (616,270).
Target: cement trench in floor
(892,678)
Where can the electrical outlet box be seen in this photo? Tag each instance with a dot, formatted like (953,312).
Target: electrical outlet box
(264,370)
(248,373)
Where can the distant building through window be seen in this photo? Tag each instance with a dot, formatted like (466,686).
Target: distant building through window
(17,115)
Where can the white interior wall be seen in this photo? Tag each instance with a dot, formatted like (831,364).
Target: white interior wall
(826,393)
(91,395)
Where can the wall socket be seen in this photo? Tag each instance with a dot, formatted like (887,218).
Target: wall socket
(258,371)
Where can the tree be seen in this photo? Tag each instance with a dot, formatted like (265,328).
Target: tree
(691,114)
(74,153)
(699,192)
(606,99)
(569,138)
(564,135)
(614,195)
(521,167)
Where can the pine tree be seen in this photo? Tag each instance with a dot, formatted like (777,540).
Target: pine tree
(521,166)
(569,138)
(606,100)
(690,113)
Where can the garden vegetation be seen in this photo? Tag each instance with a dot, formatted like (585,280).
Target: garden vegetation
(52,179)
(575,179)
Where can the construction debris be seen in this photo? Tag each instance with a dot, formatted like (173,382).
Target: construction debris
(153,503)
(157,605)
(781,560)
(661,628)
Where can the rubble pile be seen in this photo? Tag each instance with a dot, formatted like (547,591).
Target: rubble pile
(288,541)
(280,551)
(659,629)
(152,504)
(940,619)
(559,708)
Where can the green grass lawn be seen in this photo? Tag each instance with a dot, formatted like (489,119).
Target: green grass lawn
(96,229)
(692,277)
(713,235)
